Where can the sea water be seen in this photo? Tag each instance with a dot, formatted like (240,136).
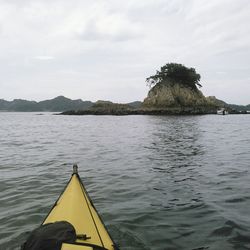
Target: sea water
(159,182)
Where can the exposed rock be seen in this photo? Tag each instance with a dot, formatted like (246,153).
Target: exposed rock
(165,95)
(103,108)
(109,107)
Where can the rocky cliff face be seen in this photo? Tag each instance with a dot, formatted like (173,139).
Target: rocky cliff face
(218,103)
(165,95)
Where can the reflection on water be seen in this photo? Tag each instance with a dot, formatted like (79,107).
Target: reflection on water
(159,182)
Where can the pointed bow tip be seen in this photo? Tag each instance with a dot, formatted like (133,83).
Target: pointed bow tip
(75,169)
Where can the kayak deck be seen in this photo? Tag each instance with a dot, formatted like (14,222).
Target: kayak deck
(75,247)
(75,206)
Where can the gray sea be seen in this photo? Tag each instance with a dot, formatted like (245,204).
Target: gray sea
(159,182)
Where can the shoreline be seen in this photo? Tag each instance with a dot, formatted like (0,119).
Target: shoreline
(202,110)
(138,112)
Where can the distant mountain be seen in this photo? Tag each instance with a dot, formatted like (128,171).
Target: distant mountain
(231,107)
(239,107)
(3,104)
(18,105)
(62,103)
(57,104)
(135,104)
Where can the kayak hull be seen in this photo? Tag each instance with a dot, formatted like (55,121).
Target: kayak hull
(75,206)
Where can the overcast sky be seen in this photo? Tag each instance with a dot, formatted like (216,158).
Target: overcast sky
(104,49)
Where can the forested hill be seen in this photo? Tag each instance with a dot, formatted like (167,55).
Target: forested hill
(61,103)
(57,104)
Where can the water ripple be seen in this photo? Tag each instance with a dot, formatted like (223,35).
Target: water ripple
(158,182)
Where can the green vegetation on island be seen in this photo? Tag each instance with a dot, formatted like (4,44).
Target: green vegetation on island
(175,73)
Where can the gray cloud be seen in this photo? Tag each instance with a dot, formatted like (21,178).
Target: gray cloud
(117,33)
(106,49)
(44,58)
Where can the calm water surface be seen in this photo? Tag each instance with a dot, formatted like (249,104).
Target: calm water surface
(159,182)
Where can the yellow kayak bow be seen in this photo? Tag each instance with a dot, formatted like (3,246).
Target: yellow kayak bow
(75,206)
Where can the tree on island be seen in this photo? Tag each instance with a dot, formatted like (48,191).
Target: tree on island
(175,73)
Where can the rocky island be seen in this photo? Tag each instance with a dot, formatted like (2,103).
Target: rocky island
(173,91)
